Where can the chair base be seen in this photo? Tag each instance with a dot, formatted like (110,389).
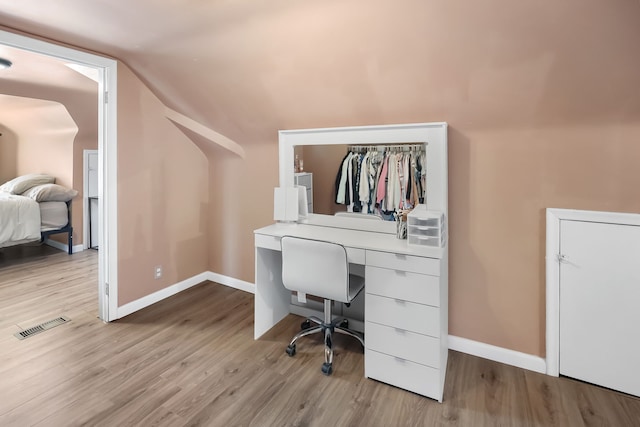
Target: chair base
(328,326)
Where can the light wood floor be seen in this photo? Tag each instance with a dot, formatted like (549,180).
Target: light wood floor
(191,360)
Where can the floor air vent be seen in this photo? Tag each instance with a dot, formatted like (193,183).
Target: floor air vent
(41,328)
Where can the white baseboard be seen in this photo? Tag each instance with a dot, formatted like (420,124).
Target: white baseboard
(62,246)
(498,354)
(155,297)
(464,345)
(231,282)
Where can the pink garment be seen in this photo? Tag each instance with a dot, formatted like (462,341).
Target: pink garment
(382,187)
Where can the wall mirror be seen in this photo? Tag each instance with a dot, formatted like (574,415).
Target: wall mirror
(323,149)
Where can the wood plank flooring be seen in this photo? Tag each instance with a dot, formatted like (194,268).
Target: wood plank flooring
(191,360)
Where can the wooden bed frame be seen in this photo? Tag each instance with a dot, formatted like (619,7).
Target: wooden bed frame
(66,229)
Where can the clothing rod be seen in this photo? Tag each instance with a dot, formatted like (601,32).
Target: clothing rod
(387,147)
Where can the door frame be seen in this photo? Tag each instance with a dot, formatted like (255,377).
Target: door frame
(554,218)
(107,159)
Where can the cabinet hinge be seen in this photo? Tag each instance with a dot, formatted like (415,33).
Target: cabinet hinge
(106,97)
(560,258)
(106,288)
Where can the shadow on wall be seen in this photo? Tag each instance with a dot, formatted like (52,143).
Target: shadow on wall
(542,290)
(468,287)
(8,154)
(191,249)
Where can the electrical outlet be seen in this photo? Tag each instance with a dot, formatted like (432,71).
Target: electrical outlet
(158,271)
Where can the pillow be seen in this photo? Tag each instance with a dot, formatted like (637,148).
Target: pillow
(22,183)
(50,193)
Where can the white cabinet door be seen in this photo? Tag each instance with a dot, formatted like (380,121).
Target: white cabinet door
(600,304)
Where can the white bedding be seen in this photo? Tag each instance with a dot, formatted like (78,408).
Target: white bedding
(53,215)
(19,220)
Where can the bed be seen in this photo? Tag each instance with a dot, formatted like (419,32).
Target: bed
(33,207)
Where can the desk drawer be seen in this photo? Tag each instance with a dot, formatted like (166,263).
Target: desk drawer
(402,373)
(396,313)
(407,286)
(269,242)
(402,262)
(407,345)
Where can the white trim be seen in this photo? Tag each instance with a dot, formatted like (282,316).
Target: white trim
(167,292)
(62,246)
(464,345)
(211,135)
(498,354)
(108,189)
(554,216)
(552,277)
(231,282)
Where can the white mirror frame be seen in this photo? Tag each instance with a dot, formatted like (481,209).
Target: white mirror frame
(432,134)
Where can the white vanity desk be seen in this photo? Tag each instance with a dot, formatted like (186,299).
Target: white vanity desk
(406,286)
(406,298)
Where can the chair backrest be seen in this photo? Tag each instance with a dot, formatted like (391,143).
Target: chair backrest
(315,267)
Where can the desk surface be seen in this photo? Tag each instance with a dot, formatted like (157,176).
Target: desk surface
(351,238)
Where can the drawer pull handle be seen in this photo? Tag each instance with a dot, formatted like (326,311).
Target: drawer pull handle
(400,301)
(399,359)
(401,272)
(400,331)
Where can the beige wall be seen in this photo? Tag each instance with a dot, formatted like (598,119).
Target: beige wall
(241,201)
(323,162)
(41,137)
(500,184)
(86,139)
(542,99)
(163,195)
(38,139)
(8,153)
(543,103)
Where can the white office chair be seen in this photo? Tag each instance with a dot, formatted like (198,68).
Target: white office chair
(320,268)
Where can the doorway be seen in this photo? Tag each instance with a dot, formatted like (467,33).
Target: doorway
(107,160)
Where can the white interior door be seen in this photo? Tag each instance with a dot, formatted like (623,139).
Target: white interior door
(600,304)
(91,195)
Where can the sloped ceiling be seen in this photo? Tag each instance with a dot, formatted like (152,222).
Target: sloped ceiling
(34,77)
(247,68)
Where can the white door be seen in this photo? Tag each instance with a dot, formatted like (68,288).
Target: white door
(600,304)
(93,239)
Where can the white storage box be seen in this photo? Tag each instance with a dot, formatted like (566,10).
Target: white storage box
(426,228)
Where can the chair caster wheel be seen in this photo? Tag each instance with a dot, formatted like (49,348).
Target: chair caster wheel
(327,369)
(305,325)
(291,350)
(345,323)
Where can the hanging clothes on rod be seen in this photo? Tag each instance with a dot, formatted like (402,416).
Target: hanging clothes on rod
(381,179)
